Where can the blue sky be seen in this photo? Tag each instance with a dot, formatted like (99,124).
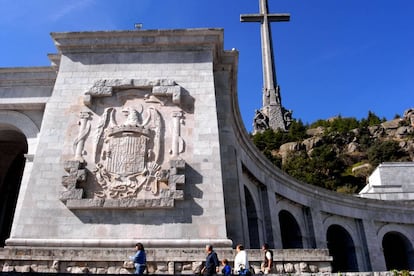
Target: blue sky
(335,57)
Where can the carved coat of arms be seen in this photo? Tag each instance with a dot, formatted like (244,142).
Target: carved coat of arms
(124,147)
(127,153)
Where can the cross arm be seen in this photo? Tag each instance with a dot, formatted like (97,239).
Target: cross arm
(251,17)
(279,17)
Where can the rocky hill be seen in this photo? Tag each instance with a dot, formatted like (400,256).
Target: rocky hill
(339,153)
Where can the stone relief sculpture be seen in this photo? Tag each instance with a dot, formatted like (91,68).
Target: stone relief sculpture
(126,162)
(287,116)
(119,153)
(84,129)
(260,121)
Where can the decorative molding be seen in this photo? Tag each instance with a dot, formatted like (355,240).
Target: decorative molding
(160,88)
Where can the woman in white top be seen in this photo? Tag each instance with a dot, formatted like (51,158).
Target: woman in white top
(240,261)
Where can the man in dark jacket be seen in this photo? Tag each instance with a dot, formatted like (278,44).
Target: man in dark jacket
(212,262)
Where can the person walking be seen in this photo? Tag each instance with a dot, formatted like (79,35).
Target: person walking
(212,263)
(139,259)
(226,271)
(267,264)
(241,262)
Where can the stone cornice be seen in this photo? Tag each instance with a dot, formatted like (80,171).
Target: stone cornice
(26,103)
(34,69)
(27,76)
(139,40)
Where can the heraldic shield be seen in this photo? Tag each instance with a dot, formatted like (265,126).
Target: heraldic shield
(127,153)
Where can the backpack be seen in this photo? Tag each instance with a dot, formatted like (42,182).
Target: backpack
(245,272)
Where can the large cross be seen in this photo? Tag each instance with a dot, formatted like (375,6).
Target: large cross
(271,95)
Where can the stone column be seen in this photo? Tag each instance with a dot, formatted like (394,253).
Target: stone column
(274,212)
(320,233)
(376,254)
(22,192)
(175,147)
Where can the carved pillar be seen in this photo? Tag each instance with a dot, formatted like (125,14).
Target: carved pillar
(176,138)
(84,128)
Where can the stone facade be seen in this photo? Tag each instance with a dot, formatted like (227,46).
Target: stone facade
(167,134)
(137,136)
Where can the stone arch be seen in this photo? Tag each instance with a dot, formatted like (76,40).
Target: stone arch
(18,121)
(13,148)
(403,235)
(395,228)
(342,248)
(253,219)
(290,230)
(398,251)
(18,135)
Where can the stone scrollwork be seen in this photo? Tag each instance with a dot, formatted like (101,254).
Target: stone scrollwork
(120,145)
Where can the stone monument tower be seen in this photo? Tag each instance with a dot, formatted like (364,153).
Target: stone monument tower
(272,114)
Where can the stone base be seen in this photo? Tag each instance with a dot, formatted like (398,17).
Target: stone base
(159,260)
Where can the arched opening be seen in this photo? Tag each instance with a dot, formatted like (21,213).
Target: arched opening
(252,220)
(398,252)
(342,249)
(13,146)
(290,231)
